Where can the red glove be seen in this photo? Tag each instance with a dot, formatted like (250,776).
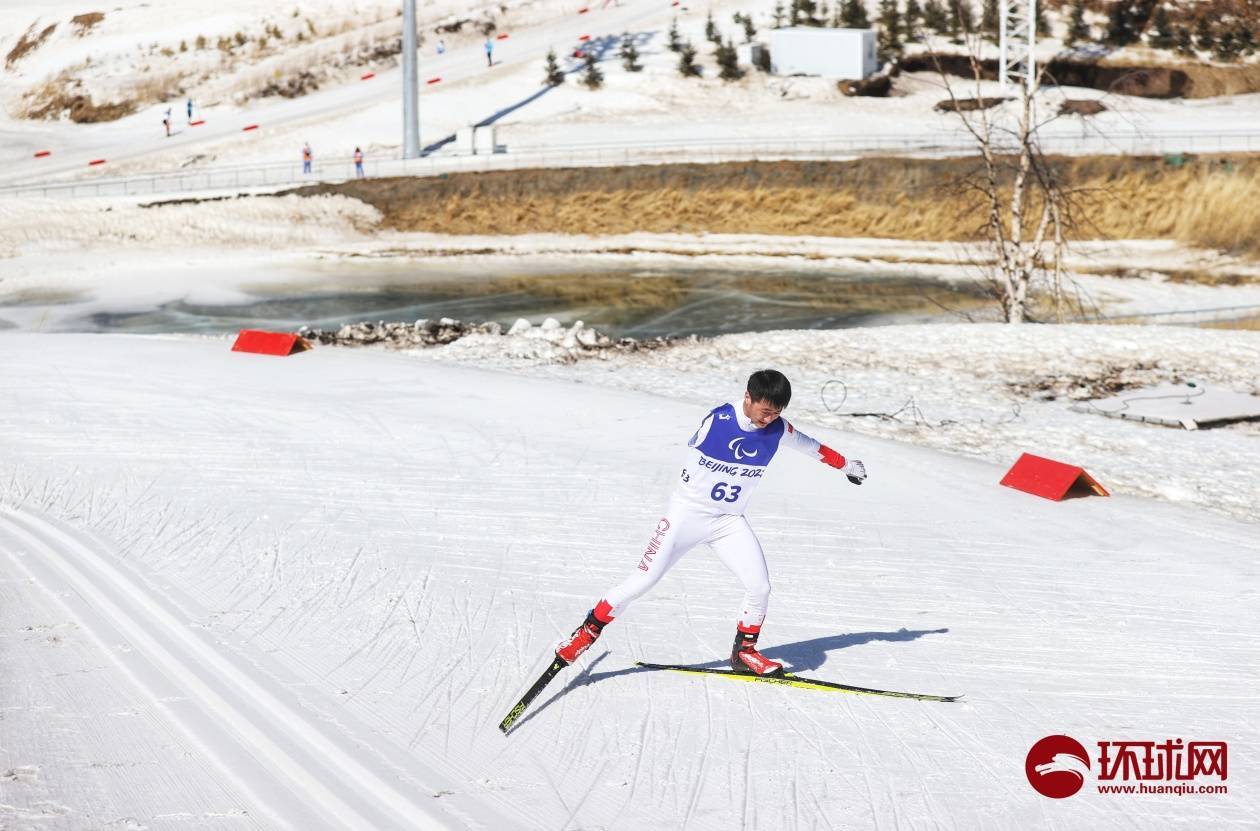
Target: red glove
(830,457)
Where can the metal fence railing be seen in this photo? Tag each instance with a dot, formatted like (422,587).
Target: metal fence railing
(1225,317)
(447,160)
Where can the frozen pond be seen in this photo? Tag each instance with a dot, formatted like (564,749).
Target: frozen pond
(621,301)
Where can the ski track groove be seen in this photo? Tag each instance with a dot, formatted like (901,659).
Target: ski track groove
(698,787)
(305,758)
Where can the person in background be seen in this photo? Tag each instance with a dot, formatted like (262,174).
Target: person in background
(190,110)
(306,157)
(489,52)
(358,164)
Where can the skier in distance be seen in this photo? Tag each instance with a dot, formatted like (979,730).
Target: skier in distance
(725,460)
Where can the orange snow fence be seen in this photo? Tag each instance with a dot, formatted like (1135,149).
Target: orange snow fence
(434,80)
(1048,478)
(249,127)
(96,162)
(502,36)
(367,76)
(269,343)
(42,154)
(197,123)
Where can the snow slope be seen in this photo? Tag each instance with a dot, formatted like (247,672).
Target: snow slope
(632,107)
(354,562)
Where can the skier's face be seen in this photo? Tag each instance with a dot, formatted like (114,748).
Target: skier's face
(760,413)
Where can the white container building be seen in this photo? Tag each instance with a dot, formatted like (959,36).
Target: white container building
(841,54)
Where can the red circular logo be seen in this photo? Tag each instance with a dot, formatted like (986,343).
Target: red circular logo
(1057,766)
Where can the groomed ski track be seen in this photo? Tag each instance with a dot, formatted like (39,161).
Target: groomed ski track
(347,565)
(295,767)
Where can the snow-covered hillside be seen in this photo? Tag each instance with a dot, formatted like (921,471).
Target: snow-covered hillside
(250,592)
(339,112)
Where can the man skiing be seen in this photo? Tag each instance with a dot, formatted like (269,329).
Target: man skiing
(726,458)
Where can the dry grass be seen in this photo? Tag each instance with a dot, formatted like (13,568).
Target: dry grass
(85,22)
(59,95)
(27,43)
(1209,202)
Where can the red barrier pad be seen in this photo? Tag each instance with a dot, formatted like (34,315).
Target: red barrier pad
(249,127)
(367,76)
(502,36)
(434,80)
(43,154)
(269,343)
(197,123)
(96,162)
(583,10)
(1048,478)
(584,38)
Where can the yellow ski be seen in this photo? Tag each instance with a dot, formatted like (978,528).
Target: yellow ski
(789,680)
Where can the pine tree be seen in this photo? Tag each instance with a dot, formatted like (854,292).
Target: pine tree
(778,16)
(592,78)
(961,18)
(1184,43)
(629,54)
(854,15)
(912,21)
(1246,40)
(711,32)
(1121,24)
(555,76)
(1161,34)
(675,42)
(990,20)
(935,17)
(1204,38)
(687,61)
(1226,47)
(889,28)
(1078,30)
(729,62)
(750,30)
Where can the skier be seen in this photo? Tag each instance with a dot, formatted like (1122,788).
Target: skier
(166,122)
(190,110)
(306,157)
(358,164)
(489,52)
(727,456)
(441,47)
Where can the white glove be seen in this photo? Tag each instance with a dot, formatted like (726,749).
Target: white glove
(855,470)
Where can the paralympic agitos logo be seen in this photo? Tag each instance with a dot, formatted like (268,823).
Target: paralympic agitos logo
(1058,767)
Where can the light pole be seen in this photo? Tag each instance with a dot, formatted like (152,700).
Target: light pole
(411,103)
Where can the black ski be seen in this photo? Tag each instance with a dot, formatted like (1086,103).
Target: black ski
(789,680)
(531,694)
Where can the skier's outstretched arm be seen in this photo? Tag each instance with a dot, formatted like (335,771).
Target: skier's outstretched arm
(801,443)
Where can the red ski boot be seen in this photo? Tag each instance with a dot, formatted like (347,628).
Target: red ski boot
(585,635)
(745,657)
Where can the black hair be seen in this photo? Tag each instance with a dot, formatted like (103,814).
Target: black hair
(770,385)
